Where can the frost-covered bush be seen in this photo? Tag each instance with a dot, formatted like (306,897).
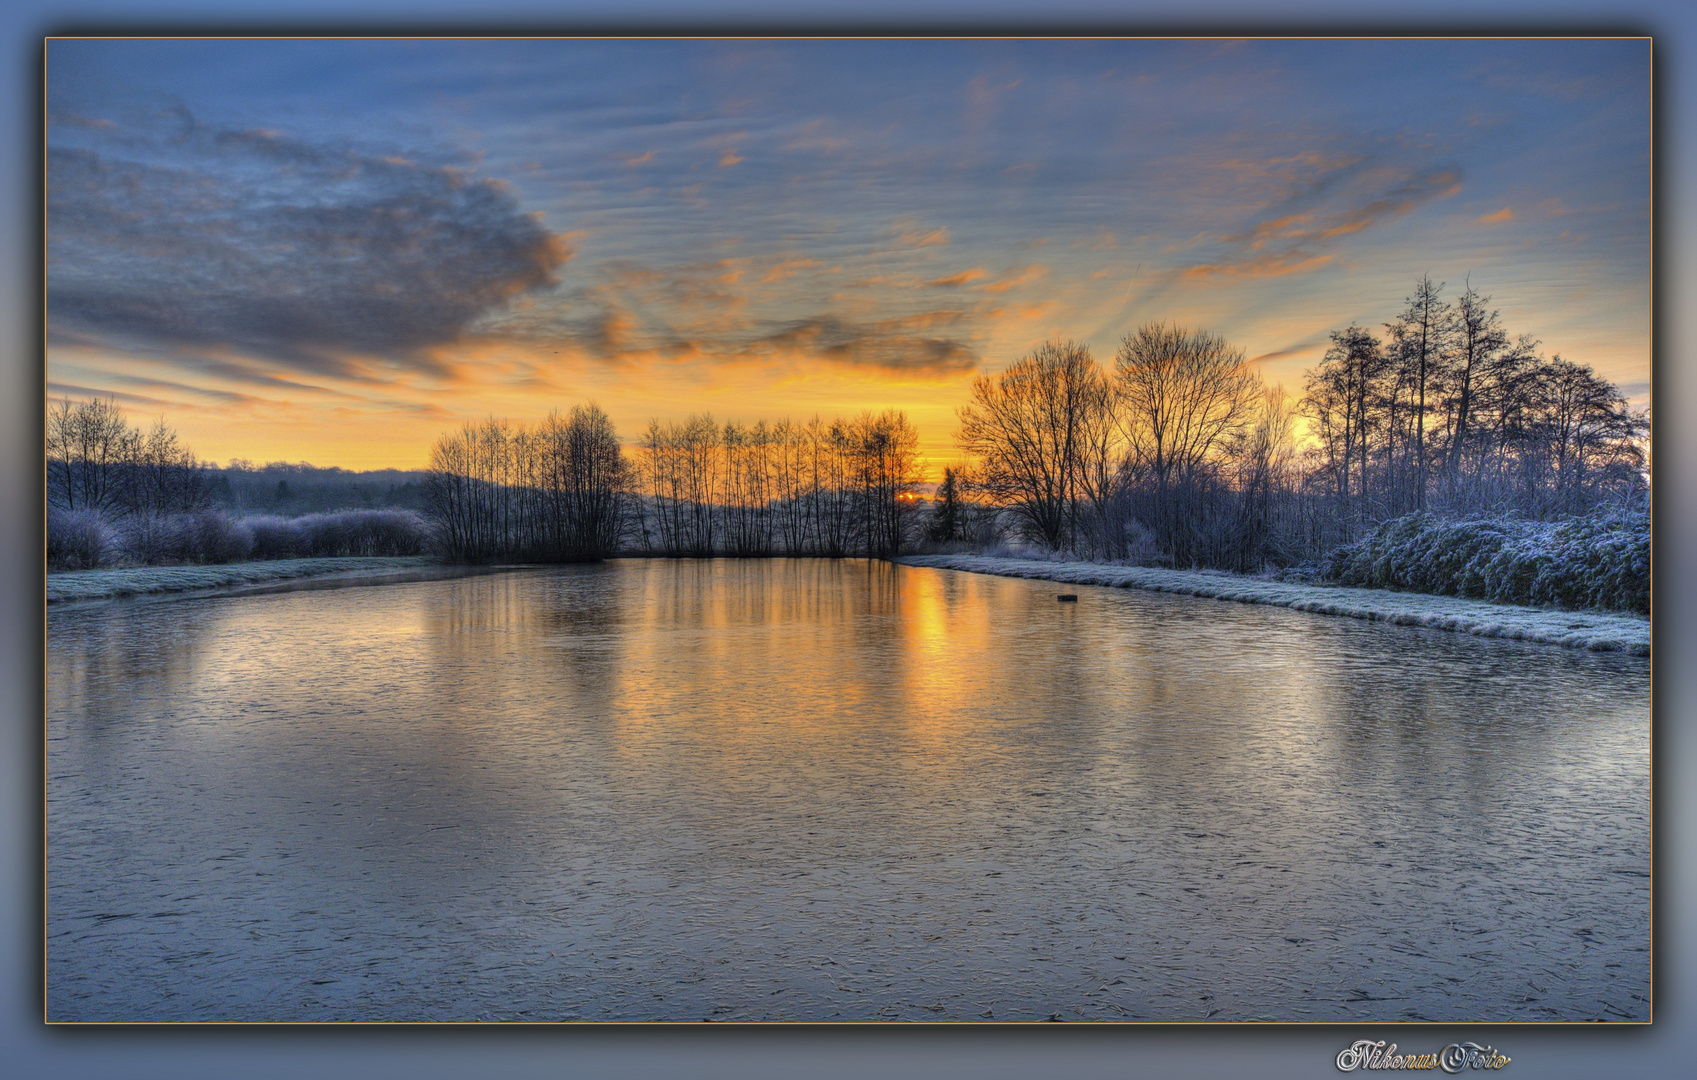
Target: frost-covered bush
(362,532)
(146,539)
(85,539)
(206,536)
(275,537)
(212,537)
(79,539)
(1601,560)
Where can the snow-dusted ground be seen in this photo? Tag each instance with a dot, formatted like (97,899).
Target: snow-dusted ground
(1602,631)
(103,584)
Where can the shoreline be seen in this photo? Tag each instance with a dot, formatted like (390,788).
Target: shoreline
(245,578)
(1595,631)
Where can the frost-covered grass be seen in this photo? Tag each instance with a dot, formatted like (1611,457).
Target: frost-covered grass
(1602,631)
(102,584)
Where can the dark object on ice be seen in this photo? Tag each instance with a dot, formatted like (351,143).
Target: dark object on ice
(1068,598)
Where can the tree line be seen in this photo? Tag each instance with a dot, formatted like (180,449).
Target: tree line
(1445,412)
(121,495)
(97,462)
(558,492)
(565,490)
(1174,453)
(1179,453)
(847,487)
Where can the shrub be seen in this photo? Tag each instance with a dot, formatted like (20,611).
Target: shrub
(79,539)
(1601,560)
(339,533)
(205,536)
(146,539)
(275,537)
(212,537)
(362,532)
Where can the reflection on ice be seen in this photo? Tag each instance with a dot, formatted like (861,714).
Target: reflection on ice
(802,789)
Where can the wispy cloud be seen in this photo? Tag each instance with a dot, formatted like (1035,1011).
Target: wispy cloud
(962,278)
(1331,198)
(911,234)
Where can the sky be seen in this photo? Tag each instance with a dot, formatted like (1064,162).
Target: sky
(336,251)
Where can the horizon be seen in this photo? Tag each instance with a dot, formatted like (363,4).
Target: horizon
(336,250)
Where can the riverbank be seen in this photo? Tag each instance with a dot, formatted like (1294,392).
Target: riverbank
(76,585)
(1594,630)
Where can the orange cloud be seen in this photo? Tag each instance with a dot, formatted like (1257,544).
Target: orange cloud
(915,238)
(729,158)
(1501,217)
(1024,277)
(633,160)
(787,268)
(1263,267)
(961,278)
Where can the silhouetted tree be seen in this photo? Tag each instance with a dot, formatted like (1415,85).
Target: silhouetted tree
(1185,396)
(1028,428)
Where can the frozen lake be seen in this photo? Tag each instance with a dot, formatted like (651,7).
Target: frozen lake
(809,790)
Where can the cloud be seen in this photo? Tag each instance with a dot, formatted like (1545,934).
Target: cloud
(1501,217)
(1025,276)
(729,158)
(962,278)
(1305,347)
(75,392)
(223,397)
(304,254)
(787,268)
(924,344)
(911,235)
(1262,266)
(894,345)
(1326,200)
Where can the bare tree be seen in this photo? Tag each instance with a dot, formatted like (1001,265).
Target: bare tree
(1421,335)
(560,492)
(88,446)
(1027,427)
(1184,396)
(1339,401)
(1477,339)
(886,471)
(1263,463)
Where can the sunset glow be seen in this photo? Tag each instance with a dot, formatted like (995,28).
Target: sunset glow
(335,251)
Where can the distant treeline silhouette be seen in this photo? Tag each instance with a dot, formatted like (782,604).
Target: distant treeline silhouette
(564,491)
(120,495)
(558,492)
(847,487)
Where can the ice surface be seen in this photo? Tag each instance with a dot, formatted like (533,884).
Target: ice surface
(1598,631)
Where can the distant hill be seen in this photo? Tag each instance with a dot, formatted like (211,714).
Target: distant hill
(291,489)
